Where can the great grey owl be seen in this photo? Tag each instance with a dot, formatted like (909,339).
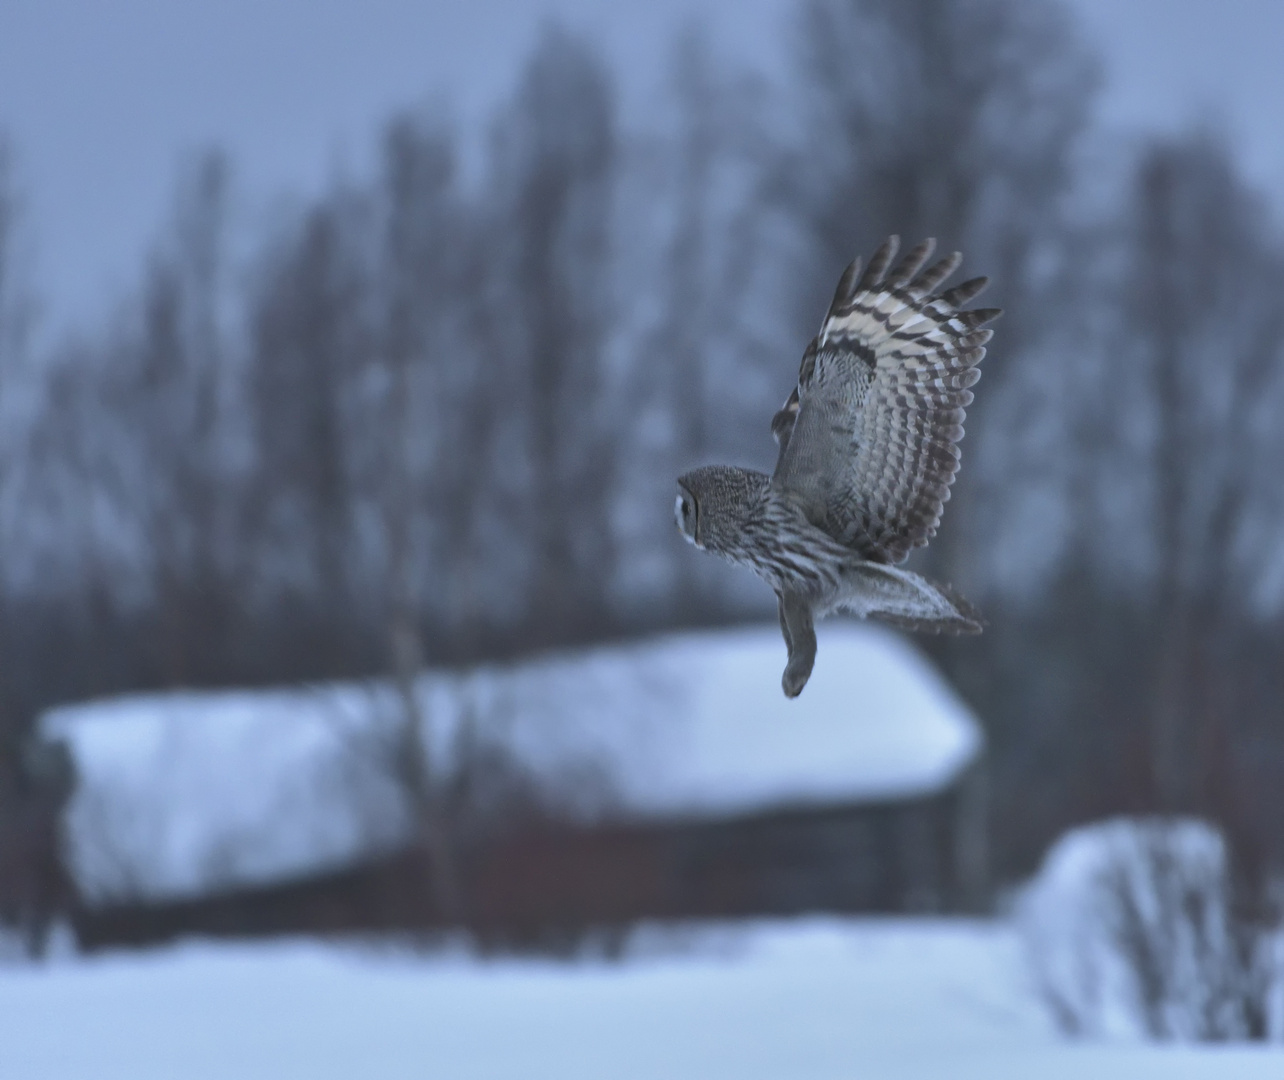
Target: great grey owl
(867,456)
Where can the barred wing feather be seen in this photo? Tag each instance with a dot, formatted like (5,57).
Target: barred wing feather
(868,438)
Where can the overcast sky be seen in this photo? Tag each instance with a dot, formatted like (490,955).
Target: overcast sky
(103,97)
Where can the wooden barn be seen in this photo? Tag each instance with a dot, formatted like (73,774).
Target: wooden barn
(663,779)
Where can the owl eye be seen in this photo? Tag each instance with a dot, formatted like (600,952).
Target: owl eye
(684,512)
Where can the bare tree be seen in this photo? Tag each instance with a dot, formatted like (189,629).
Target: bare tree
(1151,666)
(1203,322)
(418,288)
(947,118)
(15,325)
(312,344)
(703,377)
(174,405)
(17,304)
(128,464)
(957,119)
(17,318)
(554,169)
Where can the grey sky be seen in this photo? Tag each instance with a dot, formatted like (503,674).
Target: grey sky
(102,97)
(1173,62)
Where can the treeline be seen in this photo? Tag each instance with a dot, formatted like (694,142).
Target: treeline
(442,414)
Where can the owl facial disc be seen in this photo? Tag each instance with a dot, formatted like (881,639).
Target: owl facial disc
(685,514)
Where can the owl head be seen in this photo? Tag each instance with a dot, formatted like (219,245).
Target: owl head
(715,502)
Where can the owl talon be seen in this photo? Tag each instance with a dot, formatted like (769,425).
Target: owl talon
(797,672)
(798,629)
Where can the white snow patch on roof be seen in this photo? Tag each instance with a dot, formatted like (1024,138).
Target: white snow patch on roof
(183,792)
(180,792)
(696,723)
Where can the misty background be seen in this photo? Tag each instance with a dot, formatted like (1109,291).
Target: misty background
(363,344)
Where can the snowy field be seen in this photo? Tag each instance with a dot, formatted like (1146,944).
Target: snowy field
(853,998)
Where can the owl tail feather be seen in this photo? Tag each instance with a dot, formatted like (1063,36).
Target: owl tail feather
(906,600)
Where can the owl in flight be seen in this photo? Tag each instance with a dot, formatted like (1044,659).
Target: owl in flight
(868,451)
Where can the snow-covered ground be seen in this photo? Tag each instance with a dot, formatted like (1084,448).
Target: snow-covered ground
(864,999)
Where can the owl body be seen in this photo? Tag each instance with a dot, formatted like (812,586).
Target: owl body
(748,520)
(868,448)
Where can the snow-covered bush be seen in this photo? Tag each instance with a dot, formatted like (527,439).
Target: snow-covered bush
(1129,930)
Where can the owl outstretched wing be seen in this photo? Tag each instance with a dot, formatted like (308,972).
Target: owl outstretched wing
(868,437)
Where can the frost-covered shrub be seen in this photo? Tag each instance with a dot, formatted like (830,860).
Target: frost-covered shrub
(1129,930)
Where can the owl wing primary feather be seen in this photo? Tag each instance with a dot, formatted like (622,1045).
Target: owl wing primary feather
(868,437)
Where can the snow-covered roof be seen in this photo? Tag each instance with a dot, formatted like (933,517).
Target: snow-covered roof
(182,790)
(697,723)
